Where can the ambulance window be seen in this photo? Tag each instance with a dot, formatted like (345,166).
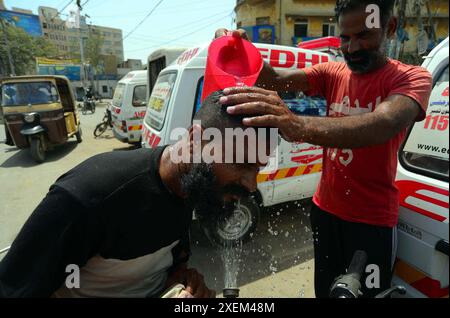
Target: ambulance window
(198,96)
(139,96)
(118,95)
(426,150)
(301,104)
(159,100)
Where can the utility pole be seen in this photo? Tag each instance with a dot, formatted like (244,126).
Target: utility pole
(8,49)
(82,73)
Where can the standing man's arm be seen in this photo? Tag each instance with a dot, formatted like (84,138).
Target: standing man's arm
(286,81)
(266,109)
(407,101)
(58,233)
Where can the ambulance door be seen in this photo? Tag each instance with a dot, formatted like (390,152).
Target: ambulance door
(134,110)
(157,119)
(117,105)
(422,179)
(299,164)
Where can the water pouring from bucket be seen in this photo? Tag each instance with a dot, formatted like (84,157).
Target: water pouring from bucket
(231,257)
(232,61)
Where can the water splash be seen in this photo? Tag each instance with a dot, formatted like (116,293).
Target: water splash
(231,257)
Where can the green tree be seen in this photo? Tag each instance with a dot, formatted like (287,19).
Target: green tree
(24,50)
(93,50)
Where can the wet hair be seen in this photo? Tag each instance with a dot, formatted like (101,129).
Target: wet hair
(213,114)
(386,8)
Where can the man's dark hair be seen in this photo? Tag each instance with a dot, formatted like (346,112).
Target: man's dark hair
(386,8)
(213,115)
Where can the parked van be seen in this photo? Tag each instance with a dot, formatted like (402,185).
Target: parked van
(176,98)
(159,60)
(423,181)
(128,107)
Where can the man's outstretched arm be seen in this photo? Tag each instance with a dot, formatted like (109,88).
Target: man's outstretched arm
(266,109)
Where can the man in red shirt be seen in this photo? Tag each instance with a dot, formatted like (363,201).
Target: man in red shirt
(372,100)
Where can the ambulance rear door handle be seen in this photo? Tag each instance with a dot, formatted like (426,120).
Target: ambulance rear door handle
(442,246)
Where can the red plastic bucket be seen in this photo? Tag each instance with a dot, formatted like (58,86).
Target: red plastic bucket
(232,61)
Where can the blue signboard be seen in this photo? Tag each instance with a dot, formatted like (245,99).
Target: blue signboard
(261,33)
(72,72)
(27,22)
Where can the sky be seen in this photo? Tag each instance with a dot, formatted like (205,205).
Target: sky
(179,23)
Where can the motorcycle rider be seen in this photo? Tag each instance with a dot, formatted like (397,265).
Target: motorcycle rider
(89,103)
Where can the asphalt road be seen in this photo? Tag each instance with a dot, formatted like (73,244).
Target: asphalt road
(276,262)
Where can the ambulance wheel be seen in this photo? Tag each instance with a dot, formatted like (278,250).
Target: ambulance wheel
(238,227)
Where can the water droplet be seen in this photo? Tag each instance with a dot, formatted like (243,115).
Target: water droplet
(302,293)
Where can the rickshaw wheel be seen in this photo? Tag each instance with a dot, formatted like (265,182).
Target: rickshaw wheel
(37,150)
(79,134)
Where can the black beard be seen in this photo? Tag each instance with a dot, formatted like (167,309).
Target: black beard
(368,61)
(203,195)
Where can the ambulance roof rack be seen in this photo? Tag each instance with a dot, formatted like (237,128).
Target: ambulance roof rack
(329,42)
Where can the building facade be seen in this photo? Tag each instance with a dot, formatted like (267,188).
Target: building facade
(67,40)
(288,22)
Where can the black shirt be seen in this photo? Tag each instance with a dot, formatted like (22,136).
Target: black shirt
(112,206)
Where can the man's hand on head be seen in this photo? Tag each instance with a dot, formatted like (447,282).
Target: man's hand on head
(262,108)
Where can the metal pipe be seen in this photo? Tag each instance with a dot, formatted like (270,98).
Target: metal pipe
(231,292)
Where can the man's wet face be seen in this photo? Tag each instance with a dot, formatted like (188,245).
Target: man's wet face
(215,188)
(208,194)
(364,48)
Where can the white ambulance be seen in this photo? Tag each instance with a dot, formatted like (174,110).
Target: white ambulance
(128,107)
(176,98)
(423,181)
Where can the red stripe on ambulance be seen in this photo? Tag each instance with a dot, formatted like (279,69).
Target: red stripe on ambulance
(424,199)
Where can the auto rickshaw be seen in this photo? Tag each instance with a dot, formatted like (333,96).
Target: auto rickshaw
(39,112)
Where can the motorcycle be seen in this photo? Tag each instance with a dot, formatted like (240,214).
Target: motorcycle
(88,105)
(106,122)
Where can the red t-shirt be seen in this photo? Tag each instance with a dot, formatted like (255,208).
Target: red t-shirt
(357,185)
